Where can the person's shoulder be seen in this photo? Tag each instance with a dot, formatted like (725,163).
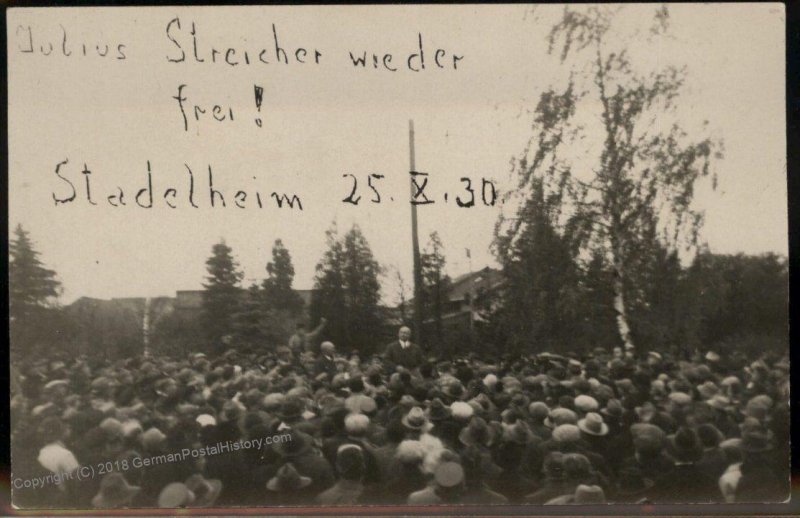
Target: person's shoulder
(423,496)
(492,497)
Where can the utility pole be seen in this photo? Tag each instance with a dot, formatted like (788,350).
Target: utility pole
(418,318)
(146,327)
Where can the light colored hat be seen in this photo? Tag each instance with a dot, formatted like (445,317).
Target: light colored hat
(589,495)
(112,427)
(756,409)
(560,416)
(538,409)
(56,383)
(730,380)
(586,403)
(448,474)
(762,399)
(712,356)
(114,491)
(287,478)
(719,402)
(416,420)
(734,443)
(462,411)
(409,451)
(566,433)
(360,403)
(206,491)
(593,424)
(356,424)
(175,494)
(206,420)
(131,427)
(680,398)
(152,438)
(273,401)
(708,389)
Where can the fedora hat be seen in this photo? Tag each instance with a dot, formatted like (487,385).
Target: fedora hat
(438,411)
(477,432)
(730,381)
(288,479)
(680,398)
(456,391)
(206,491)
(613,409)
(408,401)
(462,411)
(297,444)
(719,402)
(708,389)
(114,492)
(559,416)
(586,403)
(518,433)
(585,494)
(593,424)
(291,408)
(538,410)
(756,441)
(685,445)
(448,474)
(566,433)
(647,436)
(631,482)
(175,495)
(415,420)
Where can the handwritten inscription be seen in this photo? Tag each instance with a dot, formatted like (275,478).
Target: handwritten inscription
(173,196)
(59,43)
(186,44)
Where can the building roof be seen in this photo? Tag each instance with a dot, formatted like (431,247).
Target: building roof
(483,280)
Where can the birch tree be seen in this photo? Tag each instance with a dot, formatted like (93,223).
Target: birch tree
(611,147)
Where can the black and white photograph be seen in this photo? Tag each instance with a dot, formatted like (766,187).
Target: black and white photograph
(409,256)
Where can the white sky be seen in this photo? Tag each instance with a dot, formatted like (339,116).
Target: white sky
(322,121)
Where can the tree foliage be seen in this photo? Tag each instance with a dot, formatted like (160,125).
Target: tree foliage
(31,285)
(222,294)
(617,170)
(278,293)
(539,310)
(739,298)
(35,321)
(347,292)
(435,284)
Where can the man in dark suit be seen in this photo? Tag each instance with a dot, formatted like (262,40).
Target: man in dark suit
(403,352)
(326,364)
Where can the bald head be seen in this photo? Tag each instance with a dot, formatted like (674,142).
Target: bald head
(327,348)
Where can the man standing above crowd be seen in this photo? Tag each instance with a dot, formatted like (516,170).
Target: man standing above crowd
(306,341)
(403,352)
(326,362)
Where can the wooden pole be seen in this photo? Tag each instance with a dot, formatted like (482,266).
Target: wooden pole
(418,317)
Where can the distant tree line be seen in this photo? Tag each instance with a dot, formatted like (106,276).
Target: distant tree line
(550,300)
(265,315)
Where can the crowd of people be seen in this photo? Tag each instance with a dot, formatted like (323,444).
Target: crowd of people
(609,426)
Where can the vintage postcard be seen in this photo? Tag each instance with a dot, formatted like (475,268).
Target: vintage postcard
(397,255)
